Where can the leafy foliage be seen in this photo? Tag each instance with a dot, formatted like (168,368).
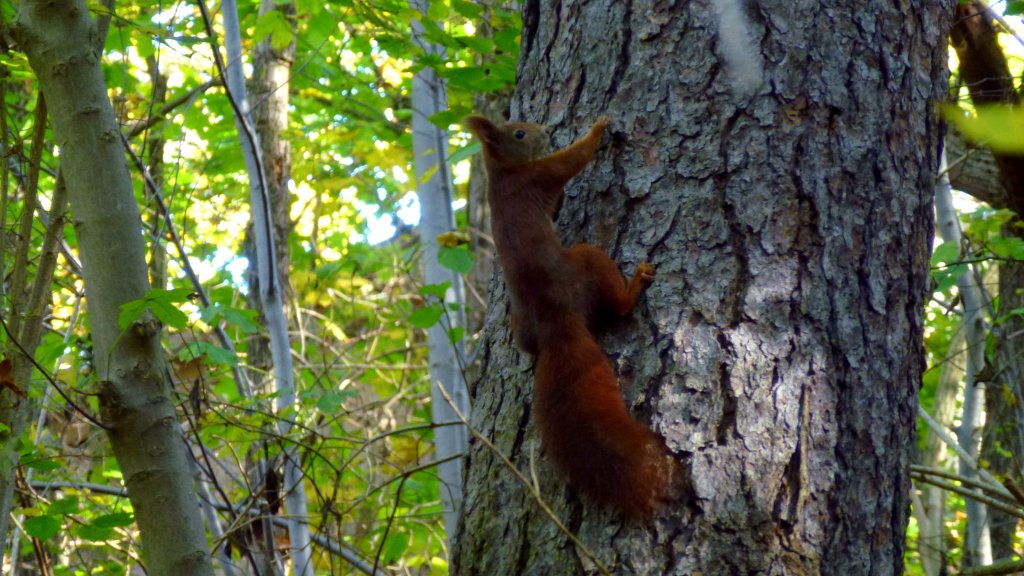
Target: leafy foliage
(357,310)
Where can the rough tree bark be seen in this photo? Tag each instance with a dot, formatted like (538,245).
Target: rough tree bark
(779,350)
(59,39)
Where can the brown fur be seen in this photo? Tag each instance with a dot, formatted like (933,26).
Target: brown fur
(558,297)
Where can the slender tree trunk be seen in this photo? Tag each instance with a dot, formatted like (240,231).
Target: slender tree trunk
(59,39)
(270,288)
(779,349)
(434,185)
(155,142)
(930,510)
(977,545)
(271,95)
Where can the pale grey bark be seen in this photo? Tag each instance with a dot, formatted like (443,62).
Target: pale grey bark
(59,39)
(930,509)
(977,544)
(434,186)
(270,293)
(779,349)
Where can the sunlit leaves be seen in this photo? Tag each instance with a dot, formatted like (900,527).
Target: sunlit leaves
(357,311)
(274,24)
(946,265)
(999,127)
(163,304)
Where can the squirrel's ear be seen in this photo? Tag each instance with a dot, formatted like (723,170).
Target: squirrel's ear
(483,128)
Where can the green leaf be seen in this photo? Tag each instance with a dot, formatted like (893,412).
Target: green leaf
(169,315)
(464,152)
(468,78)
(43,527)
(114,520)
(43,465)
(457,259)
(946,253)
(1014,8)
(945,278)
(331,268)
(215,354)
(63,506)
(1007,247)
(162,303)
(224,357)
(438,290)
(275,25)
(507,40)
(426,316)
(437,11)
(131,312)
(95,533)
(332,400)
(456,334)
(394,547)
(467,9)
(445,118)
(244,320)
(478,44)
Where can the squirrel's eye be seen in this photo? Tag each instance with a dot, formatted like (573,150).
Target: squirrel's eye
(520,134)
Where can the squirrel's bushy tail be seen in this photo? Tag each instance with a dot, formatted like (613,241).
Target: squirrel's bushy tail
(586,429)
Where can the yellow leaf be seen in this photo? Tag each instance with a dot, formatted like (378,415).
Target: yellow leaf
(1000,127)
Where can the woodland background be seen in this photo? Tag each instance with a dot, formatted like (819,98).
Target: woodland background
(366,324)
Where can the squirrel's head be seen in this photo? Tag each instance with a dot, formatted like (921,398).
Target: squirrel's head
(512,143)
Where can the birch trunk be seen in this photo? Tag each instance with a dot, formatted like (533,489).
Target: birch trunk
(434,185)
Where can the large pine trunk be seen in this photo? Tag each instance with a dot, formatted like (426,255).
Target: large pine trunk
(781,184)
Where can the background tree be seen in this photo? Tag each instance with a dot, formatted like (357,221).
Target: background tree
(777,351)
(989,246)
(134,393)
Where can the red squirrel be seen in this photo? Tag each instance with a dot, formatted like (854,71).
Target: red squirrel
(558,296)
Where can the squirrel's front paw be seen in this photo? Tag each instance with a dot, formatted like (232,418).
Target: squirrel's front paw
(644,273)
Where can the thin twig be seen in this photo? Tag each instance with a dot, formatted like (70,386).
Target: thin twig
(977,496)
(971,462)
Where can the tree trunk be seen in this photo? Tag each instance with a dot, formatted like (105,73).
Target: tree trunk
(977,544)
(270,229)
(59,39)
(779,349)
(448,395)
